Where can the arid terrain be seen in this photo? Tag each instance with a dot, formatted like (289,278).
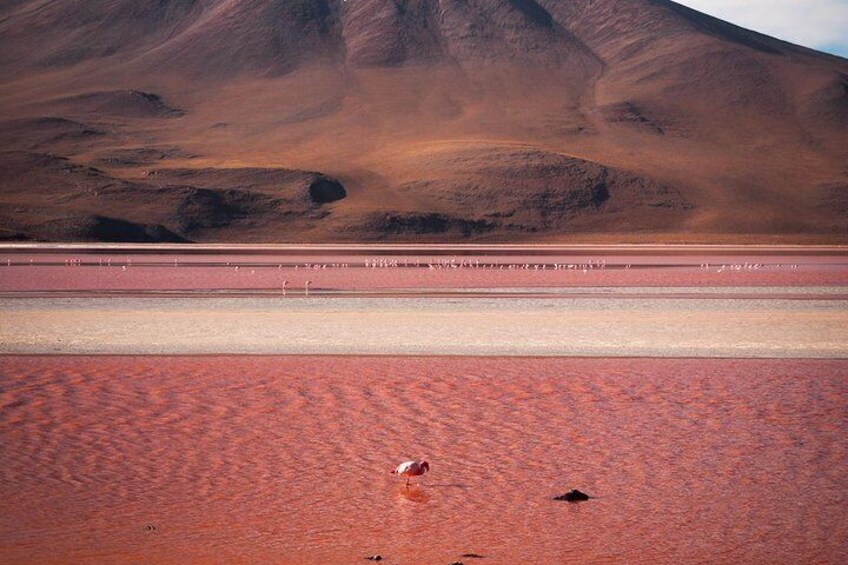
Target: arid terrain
(424,120)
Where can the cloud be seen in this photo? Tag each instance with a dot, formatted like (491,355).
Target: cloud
(820,24)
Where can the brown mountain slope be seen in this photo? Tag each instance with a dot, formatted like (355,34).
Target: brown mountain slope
(504,120)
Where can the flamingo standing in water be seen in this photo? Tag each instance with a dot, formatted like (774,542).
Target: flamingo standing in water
(410,469)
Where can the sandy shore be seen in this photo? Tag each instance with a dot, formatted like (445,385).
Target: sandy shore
(599,326)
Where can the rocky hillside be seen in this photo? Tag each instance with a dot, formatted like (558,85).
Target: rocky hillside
(413,120)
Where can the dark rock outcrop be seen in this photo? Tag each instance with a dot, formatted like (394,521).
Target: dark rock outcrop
(101,228)
(323,190)
(48,133)
(414,223)
(119,104)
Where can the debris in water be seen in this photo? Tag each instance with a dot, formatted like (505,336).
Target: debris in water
(573,496)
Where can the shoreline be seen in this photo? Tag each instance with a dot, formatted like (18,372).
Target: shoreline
(420,357)
(406,248)
(571,301)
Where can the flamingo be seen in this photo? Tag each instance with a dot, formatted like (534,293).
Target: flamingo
(411,469)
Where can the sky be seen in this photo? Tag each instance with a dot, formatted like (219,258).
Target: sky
(820,24)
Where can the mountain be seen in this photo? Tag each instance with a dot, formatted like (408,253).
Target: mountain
(414,120)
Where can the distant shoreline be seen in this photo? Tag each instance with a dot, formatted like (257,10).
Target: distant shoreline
(571,302)
(416,248)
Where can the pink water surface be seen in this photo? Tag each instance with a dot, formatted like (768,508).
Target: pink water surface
(286,460)
(80,271)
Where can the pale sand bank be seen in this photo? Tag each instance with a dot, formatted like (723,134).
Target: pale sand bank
(655,327)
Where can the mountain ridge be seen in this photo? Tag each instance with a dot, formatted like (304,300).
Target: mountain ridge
(748,130)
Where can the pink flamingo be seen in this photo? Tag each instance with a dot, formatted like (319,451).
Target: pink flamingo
(410,469)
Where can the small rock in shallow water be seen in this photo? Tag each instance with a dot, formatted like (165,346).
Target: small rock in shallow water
(573,496)
(472,555)
(375,558)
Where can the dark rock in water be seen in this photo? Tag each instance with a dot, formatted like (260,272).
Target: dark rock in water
(457,563)
(573,496)
(473,555)
(375,558)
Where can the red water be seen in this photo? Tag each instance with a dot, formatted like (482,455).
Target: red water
(286,460)
(79,271)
